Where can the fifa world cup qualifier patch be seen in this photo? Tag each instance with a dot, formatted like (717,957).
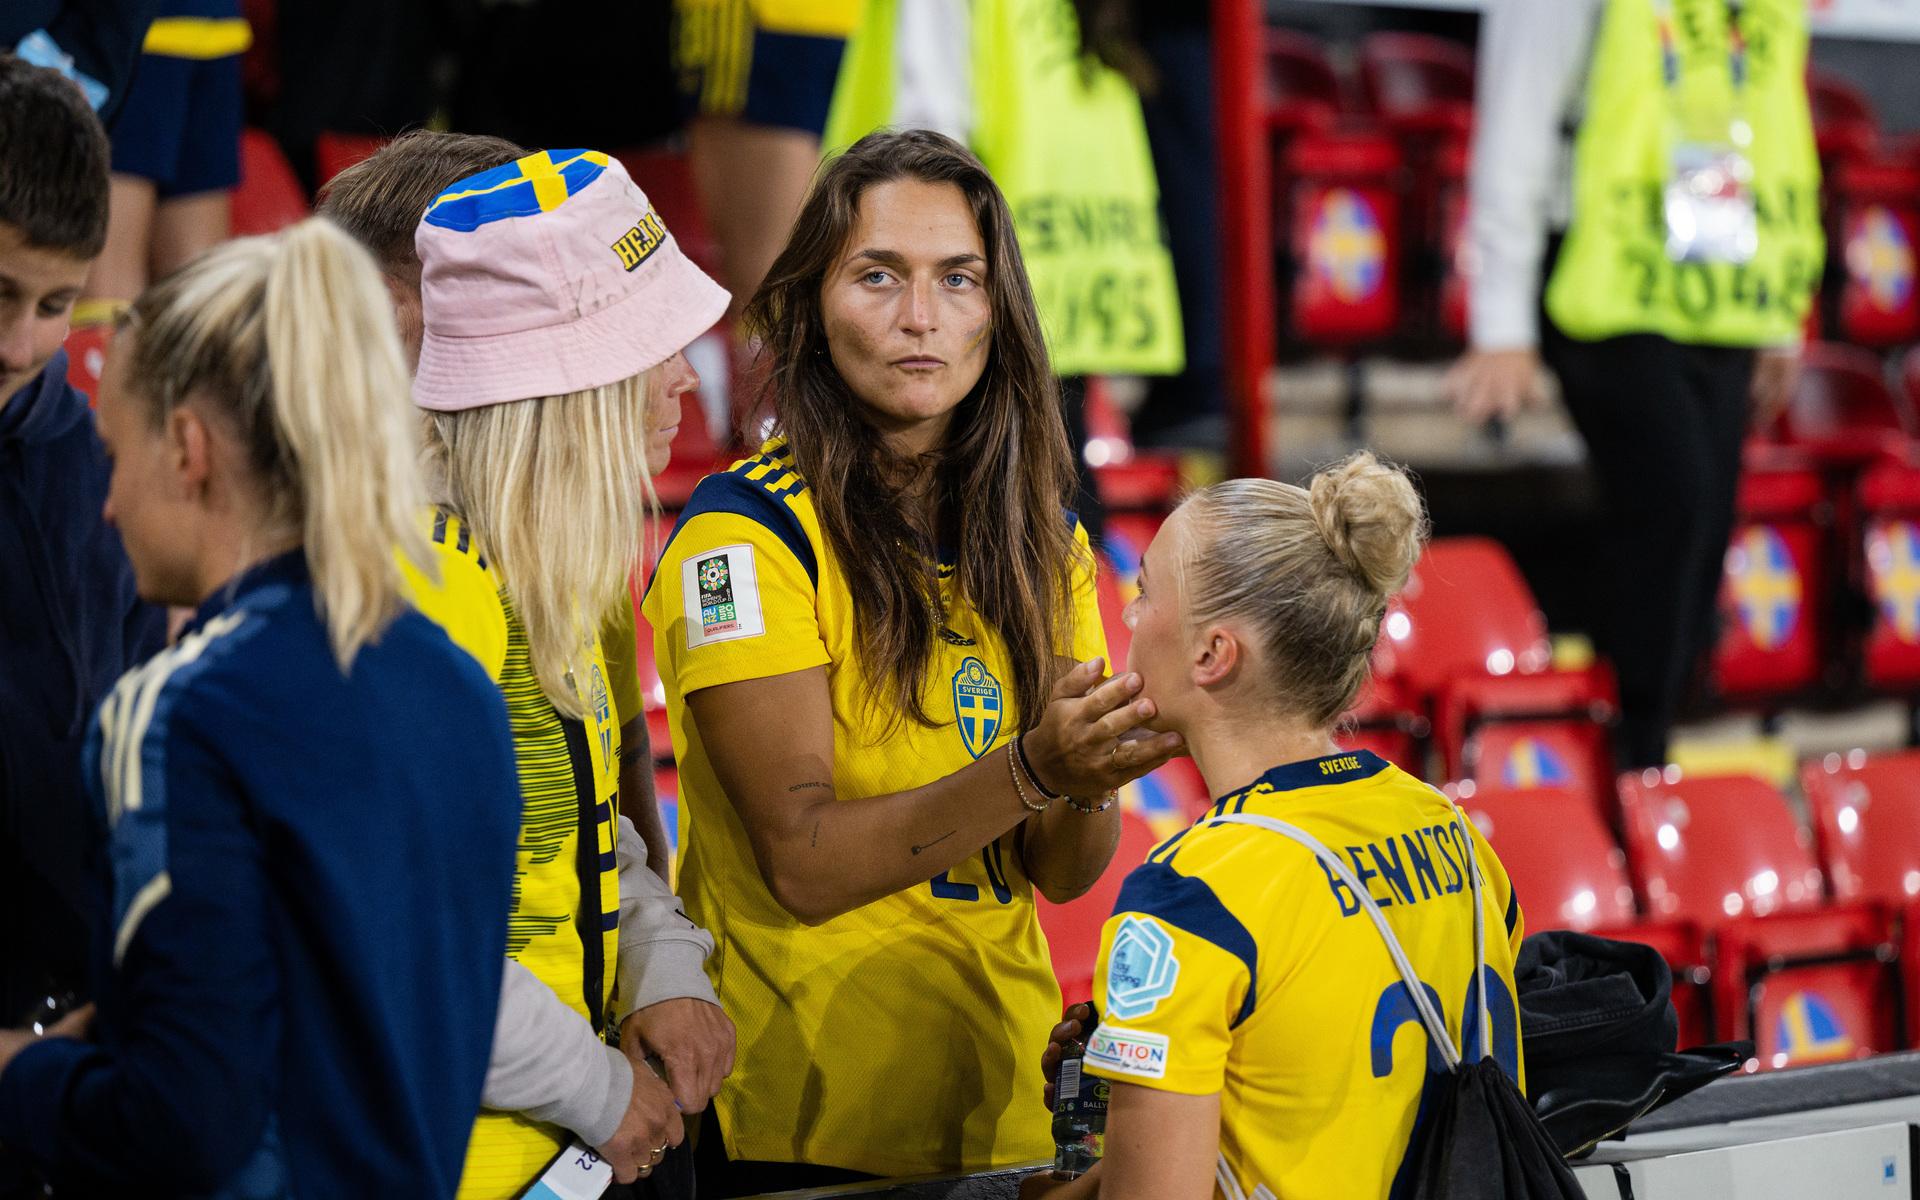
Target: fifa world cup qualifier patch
(721,595)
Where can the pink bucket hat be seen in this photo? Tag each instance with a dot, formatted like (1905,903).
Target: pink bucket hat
(546,276)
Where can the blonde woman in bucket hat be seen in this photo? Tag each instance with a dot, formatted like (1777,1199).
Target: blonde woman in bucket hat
(554,308)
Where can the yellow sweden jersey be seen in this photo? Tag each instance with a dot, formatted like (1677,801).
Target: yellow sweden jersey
(1236,963)
(903,1037)
(569,773)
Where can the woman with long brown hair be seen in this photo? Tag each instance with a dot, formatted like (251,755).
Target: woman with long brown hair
(884,667)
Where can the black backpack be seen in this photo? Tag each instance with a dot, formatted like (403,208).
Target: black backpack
(1481,1139)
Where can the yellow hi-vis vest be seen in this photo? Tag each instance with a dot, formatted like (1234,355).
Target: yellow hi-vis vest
(1614,275)
(1065,141)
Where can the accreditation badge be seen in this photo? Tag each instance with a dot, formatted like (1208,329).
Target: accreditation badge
(1709,204)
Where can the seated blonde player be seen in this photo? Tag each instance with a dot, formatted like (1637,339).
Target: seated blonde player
(1251,1020)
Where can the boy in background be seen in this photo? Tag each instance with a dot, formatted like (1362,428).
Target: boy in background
(69,619)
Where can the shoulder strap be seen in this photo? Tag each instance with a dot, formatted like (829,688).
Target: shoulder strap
(1429,1016)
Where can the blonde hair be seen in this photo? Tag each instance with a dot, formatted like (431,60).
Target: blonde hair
(289,339)
(1309,570)
(557,491)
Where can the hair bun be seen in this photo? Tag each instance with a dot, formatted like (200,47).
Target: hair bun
(1372,519)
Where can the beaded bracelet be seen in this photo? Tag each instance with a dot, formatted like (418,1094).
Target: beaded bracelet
(1026,764)
(1106,802)
(1013,772)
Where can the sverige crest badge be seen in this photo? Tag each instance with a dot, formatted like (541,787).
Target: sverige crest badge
(977,704)
(1141,968)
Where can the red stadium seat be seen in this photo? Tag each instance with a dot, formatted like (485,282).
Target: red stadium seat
(1525,731)
(1387,720)
(1564,864)
(1866,821)
(1809,987)
(1843,413)
(1128,479)
(1073,929)
(1774,589)
(1465,612)
(1303,90)
(1876,225)
(1344,235)
(1418,84)
(1712,849)
(1844,125)
(269,196)
(86,348)
(1805,981)
(1889,515)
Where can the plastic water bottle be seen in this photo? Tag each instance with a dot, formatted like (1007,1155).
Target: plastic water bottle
(1079,1112)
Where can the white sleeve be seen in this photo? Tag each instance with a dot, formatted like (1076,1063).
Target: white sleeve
(932,59)
(663,954)
(548,1064)
(1532,61)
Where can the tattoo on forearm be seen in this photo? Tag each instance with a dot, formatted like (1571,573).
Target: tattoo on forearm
(935,842)
(629,757)
(814,841)
(810,785)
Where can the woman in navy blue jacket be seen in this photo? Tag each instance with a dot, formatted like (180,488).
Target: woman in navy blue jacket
(309,802)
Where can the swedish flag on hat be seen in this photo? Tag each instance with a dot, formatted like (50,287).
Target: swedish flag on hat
(552,274)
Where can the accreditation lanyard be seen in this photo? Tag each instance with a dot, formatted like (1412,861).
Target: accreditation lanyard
(1708,201)
(1670,44)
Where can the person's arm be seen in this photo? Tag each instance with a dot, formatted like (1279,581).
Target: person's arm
(1065,851)
(180,1097)
(1160,1146)
(619,640)
(1531,57)
(663,1004)
(547,1064)
(822,856)
(638,802)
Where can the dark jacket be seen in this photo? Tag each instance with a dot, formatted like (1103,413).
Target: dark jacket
(1598,1028)
(311,877)
(70,625)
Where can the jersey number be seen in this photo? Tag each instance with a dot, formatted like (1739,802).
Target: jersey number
(1396,1008)
(946,889)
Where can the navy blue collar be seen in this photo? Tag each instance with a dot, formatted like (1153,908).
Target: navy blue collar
(1314,772)
(286,569)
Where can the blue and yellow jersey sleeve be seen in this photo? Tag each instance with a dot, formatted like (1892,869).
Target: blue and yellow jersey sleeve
(466,600)
(735,595)
(1176,971)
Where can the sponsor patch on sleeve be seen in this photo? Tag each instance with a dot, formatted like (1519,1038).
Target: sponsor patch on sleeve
(1141,968)
(1128,1052)
(722,596)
